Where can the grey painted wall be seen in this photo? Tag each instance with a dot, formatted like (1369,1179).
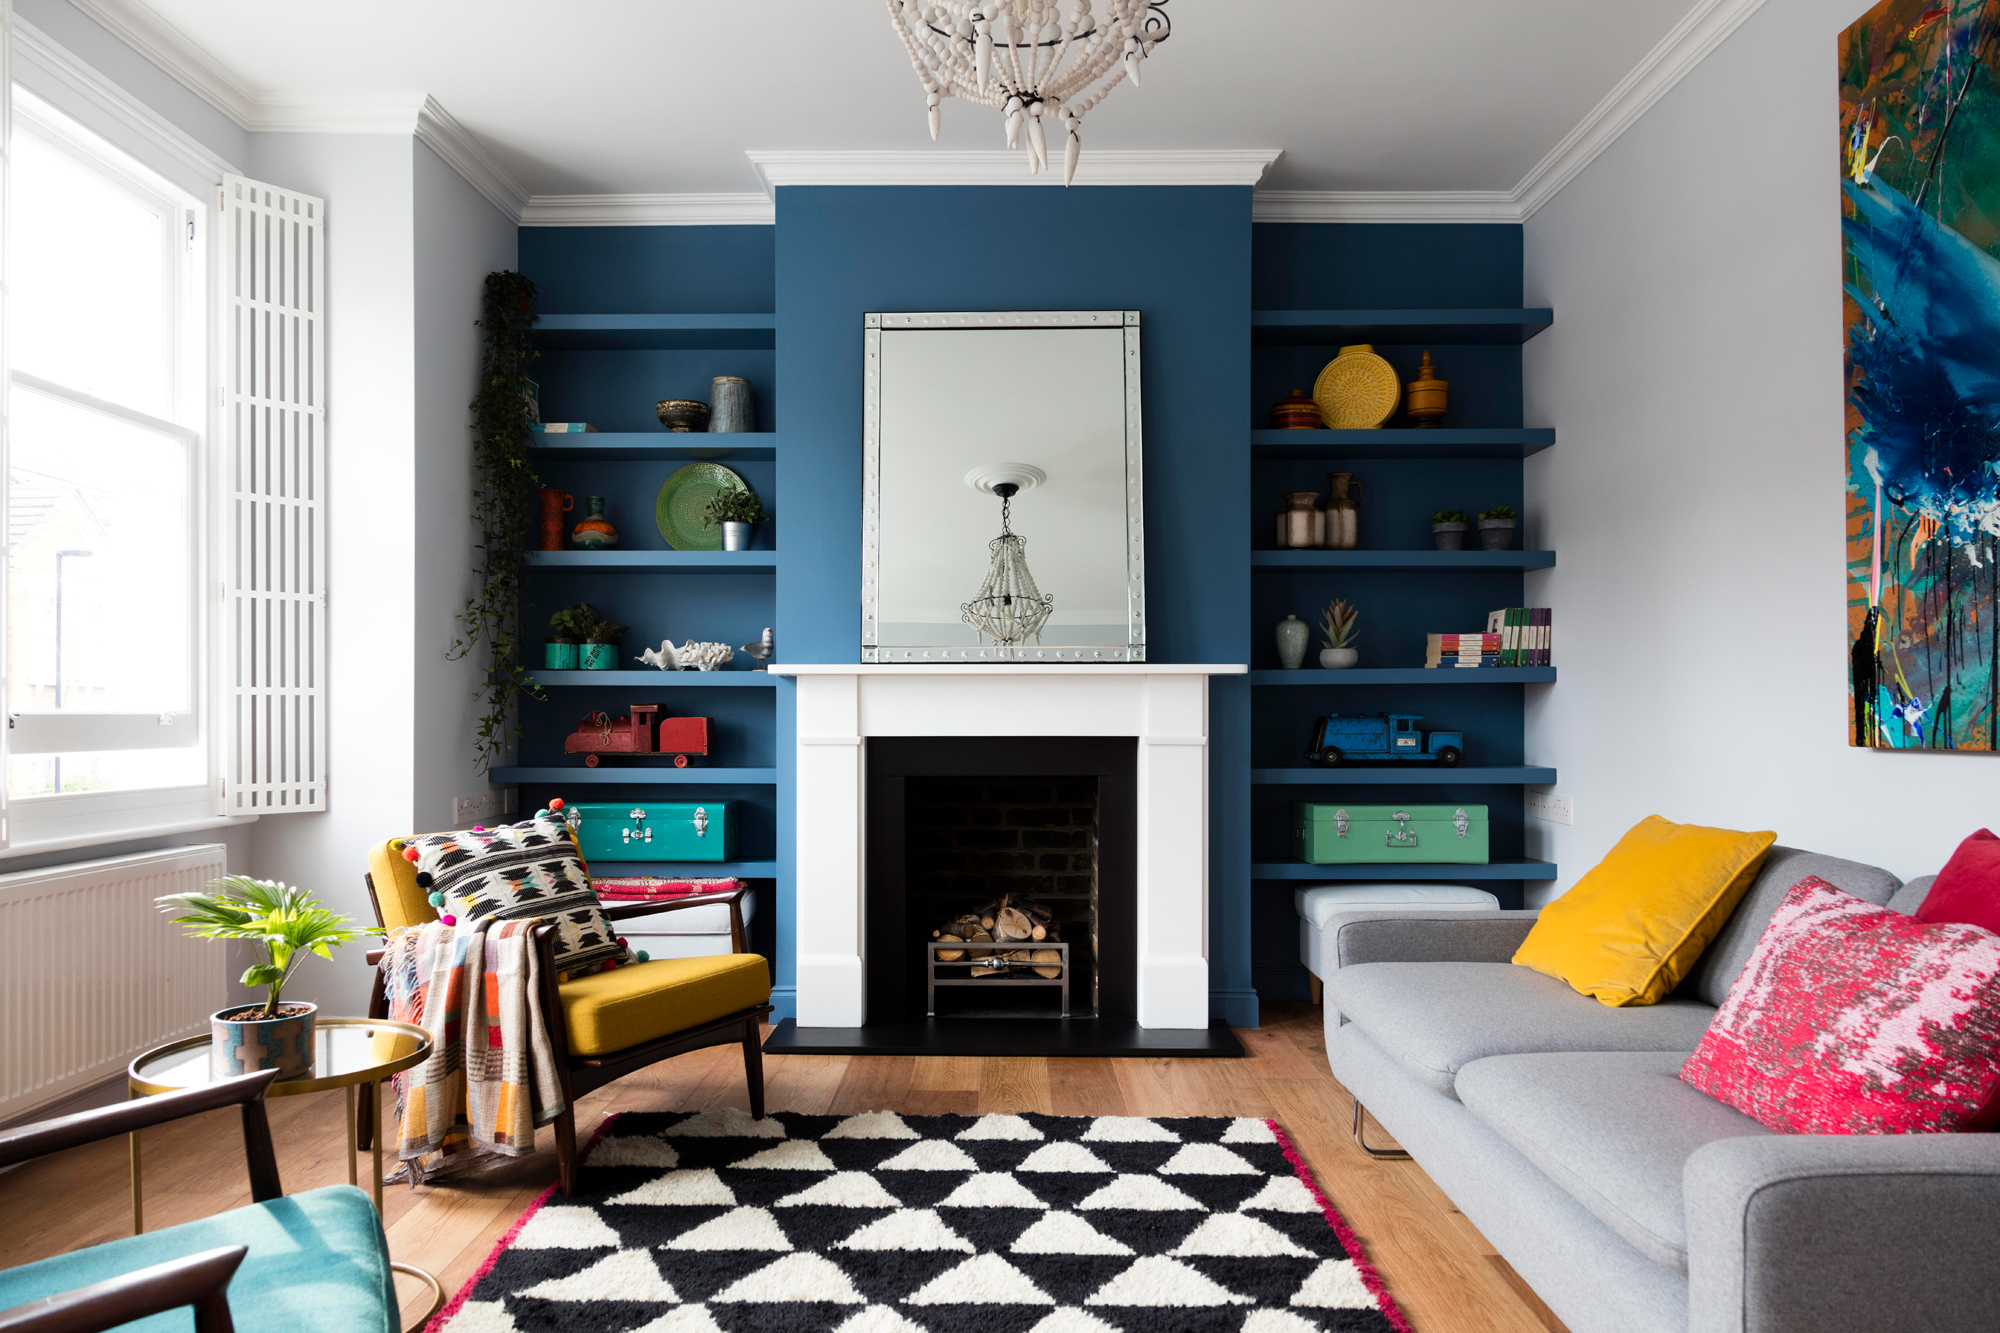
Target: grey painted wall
(1695,495)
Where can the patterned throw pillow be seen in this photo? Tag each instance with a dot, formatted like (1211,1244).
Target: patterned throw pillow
(530,869)
(1852,1019)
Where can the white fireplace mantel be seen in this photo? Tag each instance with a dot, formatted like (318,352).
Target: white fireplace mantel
(1164,706)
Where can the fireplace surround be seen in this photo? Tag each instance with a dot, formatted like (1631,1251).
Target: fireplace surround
(1159,709)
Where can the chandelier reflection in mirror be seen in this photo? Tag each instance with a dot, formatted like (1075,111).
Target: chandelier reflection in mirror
(1009,609)
(1029,58)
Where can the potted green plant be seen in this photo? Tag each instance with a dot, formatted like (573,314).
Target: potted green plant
(736,511)
(1341,624)
(597,636)
(566,630)
(1496,528)
(1448,529)
(283,925)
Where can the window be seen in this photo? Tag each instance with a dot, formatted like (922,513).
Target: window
(107,457)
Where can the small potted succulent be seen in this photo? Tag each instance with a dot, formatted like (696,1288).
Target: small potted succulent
(283,925)
(597,638)
(1341,624)
(1496,528)
(737,512)
(565,632)
(1448,529)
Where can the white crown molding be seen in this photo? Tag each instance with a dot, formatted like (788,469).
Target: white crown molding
(1384,206)
(649,210)
(463,153)
(140,28)
(42,66)
(361,113)
(1099,166)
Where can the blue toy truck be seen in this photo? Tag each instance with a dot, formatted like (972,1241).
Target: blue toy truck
(1336,739)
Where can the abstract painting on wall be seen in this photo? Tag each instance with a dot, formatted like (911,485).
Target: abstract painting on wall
(1920,182)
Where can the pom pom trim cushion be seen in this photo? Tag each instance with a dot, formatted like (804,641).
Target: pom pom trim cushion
(1852,1019)
(530,869)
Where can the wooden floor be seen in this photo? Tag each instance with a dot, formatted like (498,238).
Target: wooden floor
(1441,1270)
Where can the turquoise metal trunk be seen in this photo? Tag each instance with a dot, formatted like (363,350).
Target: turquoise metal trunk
(1326,835)
(657,830)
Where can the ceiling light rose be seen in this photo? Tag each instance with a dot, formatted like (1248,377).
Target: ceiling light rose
(1029,59)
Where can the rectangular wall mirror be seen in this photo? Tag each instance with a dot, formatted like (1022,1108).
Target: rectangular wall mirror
(1002,488)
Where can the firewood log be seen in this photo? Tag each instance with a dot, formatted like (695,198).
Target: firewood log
(950,955)
(1039,914)
(1039,933)
(1012,924)
(1048,963)
(986,922)
(980,937)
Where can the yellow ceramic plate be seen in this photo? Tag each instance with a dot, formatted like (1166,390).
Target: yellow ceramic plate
(1358,390)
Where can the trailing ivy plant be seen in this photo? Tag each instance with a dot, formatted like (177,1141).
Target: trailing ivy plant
(503,503)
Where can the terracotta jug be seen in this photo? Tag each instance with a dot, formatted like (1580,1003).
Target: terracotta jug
(554,505)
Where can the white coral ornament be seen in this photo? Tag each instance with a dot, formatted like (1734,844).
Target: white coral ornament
(690,656)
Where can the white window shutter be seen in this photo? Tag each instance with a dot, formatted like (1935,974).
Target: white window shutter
(6,380)
(274,543)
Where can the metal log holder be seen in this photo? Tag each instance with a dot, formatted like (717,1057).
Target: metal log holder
(966,972)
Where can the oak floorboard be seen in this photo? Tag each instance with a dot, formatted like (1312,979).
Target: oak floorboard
(1442,1271)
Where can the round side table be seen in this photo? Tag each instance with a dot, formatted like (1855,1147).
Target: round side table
(347,1053)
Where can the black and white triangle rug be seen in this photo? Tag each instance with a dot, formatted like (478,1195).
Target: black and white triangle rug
(882,1223)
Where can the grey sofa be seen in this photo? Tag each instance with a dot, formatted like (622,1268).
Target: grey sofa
(1629,1201)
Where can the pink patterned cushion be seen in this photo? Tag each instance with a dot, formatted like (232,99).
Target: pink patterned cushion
(1851,1019)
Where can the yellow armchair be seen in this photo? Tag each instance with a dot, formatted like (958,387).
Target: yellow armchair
(613,1022)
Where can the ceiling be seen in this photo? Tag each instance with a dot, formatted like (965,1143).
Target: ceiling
(627,97)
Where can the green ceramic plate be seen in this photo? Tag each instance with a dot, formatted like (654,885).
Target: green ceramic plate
(678,511)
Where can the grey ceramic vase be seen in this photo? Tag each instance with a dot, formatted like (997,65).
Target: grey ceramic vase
(1449,536)
(730,409)
(1496,534)
(1292,636)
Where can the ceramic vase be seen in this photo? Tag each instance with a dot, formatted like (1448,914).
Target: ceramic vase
(1343,512)
(682,415)
(597,656)
(1424,396)
(1292,636)
(730,407)
(1297,411)
(558,656)
(1449,536)
(1496,534)
(1300,525)
(736,536)
(594,531)
(246,1045)
(1338,659)
(554,505)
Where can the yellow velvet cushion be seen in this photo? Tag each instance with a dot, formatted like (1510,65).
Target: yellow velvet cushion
(397,896)
(1633,927)
(610,1011)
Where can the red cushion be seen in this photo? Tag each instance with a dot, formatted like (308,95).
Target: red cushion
(1852,1019)
(1968,888)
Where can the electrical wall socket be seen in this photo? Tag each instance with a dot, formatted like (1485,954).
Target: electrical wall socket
(469,810)
(1551,809)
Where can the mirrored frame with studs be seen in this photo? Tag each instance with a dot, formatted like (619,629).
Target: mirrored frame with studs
(872,649)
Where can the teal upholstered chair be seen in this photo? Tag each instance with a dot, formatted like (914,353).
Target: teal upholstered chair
(311,1261)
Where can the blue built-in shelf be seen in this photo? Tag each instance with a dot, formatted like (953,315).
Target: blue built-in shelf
(1410,774)
(666,776)
(1394,676)
(655,446)
(703,562)
(653,679)
(1405,870)
(624,333)
(1406,562)
(1399,443)
(691,869)
(1313,328)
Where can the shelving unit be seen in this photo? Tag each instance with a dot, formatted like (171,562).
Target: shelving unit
(1403,586)
(600,446)
(650,678)
(704,562)
(666,776)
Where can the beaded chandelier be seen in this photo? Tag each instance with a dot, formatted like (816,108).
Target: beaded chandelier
(1029,59)
(1010,609)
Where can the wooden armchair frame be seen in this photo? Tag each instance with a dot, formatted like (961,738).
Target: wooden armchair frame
(580,1074)
(200,1280)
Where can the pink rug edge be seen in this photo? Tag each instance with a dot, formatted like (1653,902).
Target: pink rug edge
(508,1237)
(1372,1278)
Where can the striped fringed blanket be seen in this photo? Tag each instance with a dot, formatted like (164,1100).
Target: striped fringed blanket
(491,1076)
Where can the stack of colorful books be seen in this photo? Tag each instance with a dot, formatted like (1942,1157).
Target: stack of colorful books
(1516,636)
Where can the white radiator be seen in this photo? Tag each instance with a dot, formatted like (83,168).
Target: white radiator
(92,973)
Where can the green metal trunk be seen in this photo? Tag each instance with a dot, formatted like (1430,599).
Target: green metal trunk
(1325,835)
(657,830)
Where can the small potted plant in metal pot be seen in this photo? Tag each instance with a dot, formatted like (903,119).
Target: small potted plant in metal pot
(1341,624)
(1448,529)
(566,630)
(1496,528)
(599,648)
(738,512)
(283,925)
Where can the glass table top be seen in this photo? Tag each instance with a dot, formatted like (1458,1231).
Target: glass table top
(345,1050)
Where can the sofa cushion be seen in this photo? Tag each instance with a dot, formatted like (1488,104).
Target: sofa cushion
(1435,1018)
(1783,867)
(614,1011)
(1613,1129)
(1968,888)
(1318,903)
(317,1260)
(1911,896)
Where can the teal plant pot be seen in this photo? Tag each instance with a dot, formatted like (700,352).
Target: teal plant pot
(598,656)
(247,1045)
(559,657)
